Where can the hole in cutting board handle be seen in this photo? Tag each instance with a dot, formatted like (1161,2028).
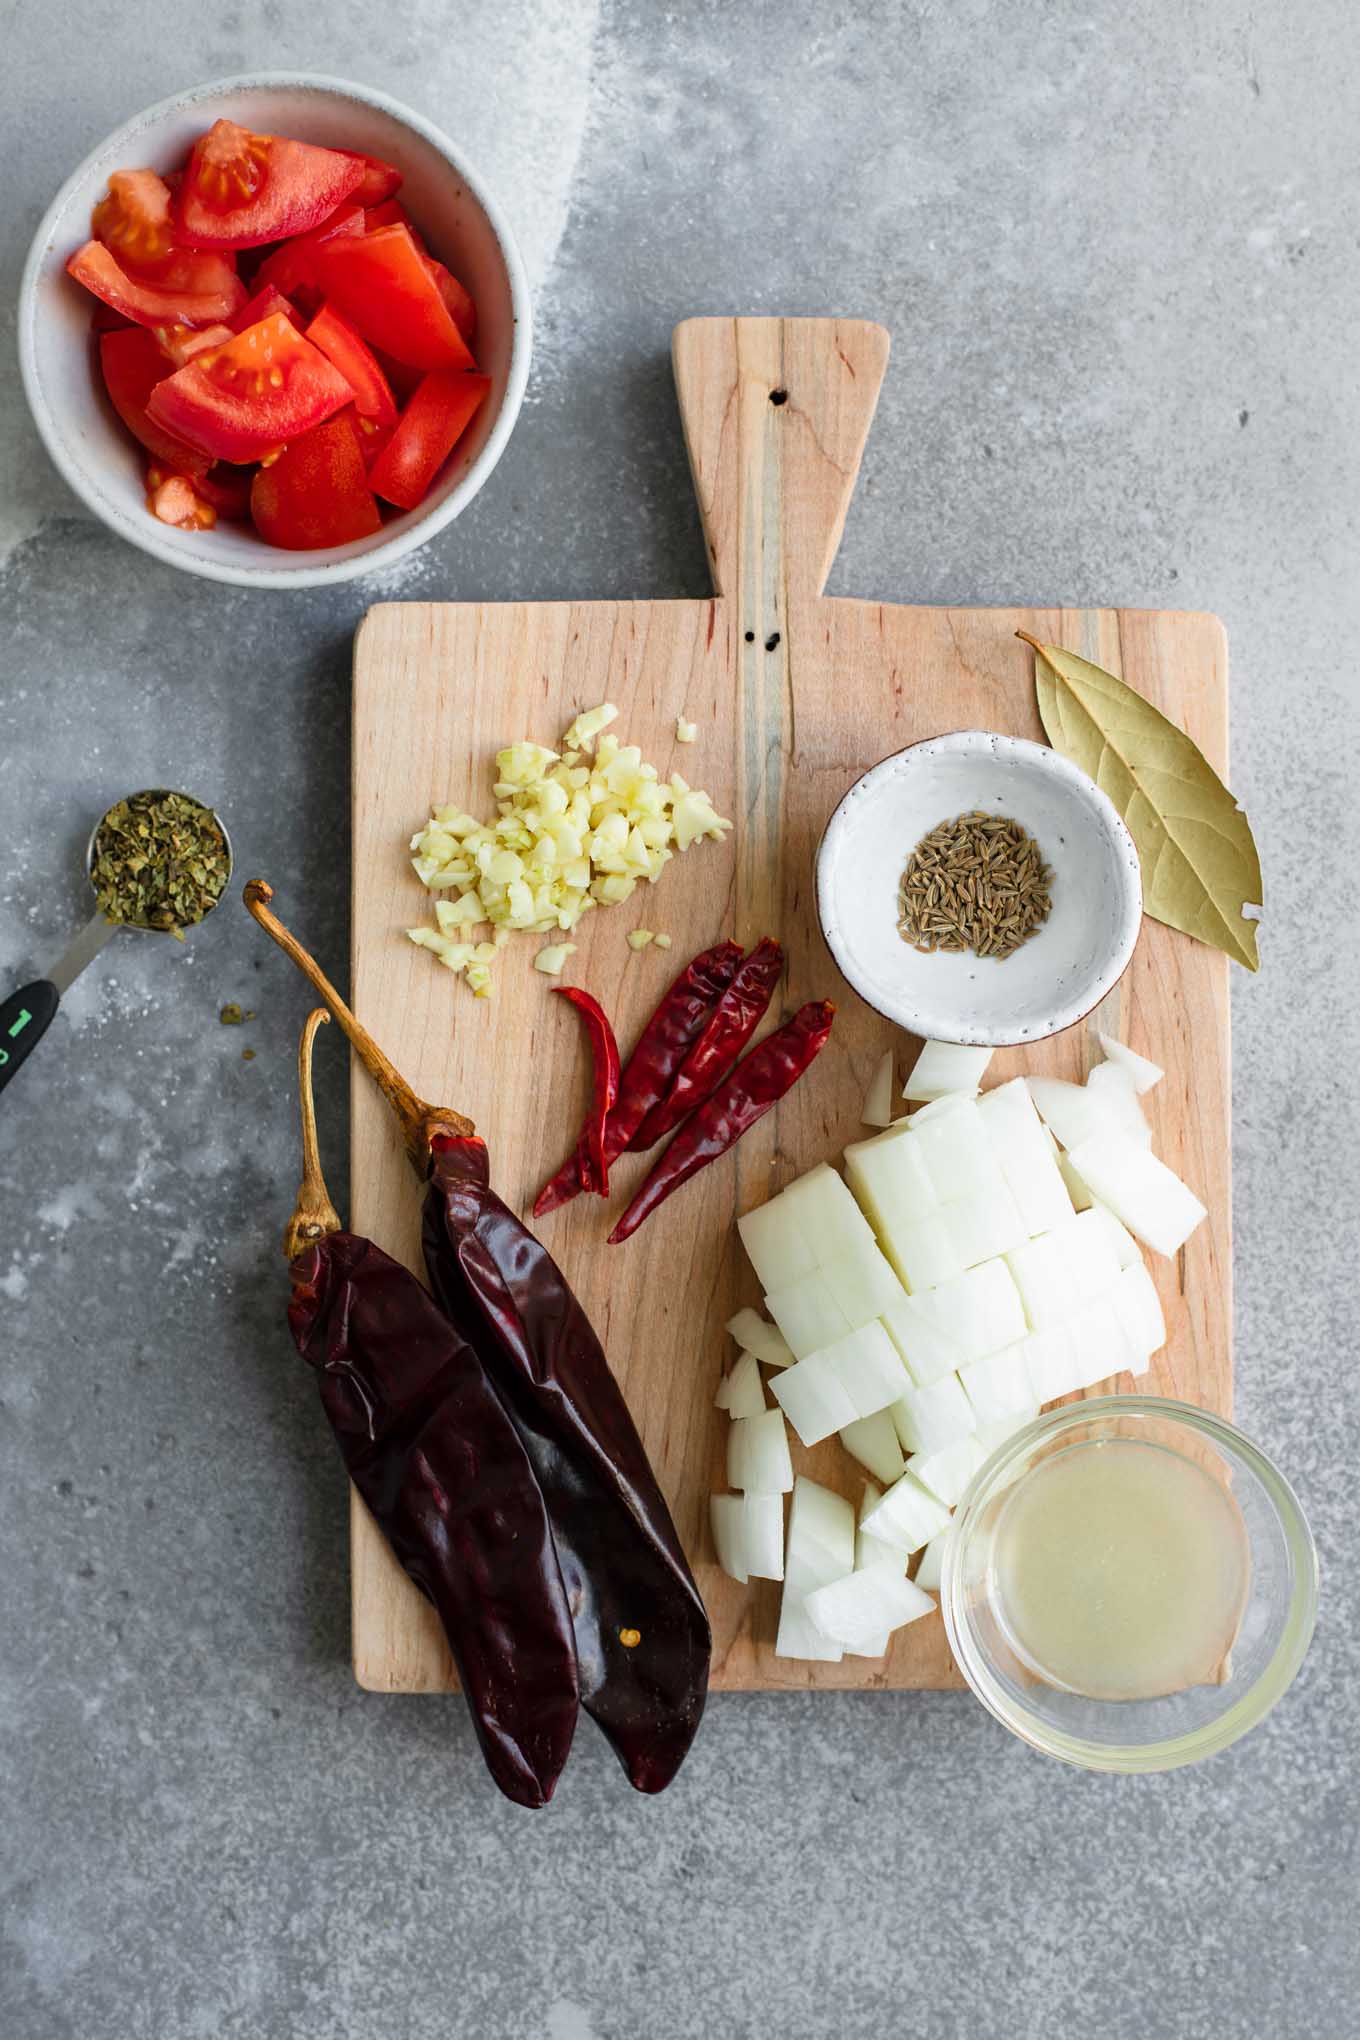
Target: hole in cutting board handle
(779,396)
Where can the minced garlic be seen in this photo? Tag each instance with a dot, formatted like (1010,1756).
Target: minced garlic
(571,833)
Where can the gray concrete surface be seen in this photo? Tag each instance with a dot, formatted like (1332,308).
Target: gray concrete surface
(1117,248)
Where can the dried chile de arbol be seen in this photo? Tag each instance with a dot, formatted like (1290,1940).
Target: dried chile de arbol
(642,1636)
(443,1471)
(591,1150)
(729,1027)
(651,1069)
(752,1088)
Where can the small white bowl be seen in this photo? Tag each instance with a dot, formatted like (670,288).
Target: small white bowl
(454,211)
(1064,969)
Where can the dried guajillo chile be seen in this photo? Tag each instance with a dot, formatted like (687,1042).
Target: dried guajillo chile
(642,1636)
(430,1448)
(727,1113)
(651,1069)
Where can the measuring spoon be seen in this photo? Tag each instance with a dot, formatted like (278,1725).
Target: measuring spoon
(26,1015)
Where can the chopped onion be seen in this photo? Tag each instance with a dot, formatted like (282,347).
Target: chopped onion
(1100,1343)
(813,1398)
(1141,1191)
(1051,1363)
(827,1215)
(925,1252)
(983,1225)
(945,1066)
(1139,1310)
(1045,1283)
(1122,1242)
(878,1099)
(774,1243)
(958,1154)
(926,1418)
(1026,1154)
(873,1442)
(947,1472)
(741,1392)
(924,1114)
(889,1178)
(821,1548)
(907,1516)
(1114,1087)
(1073,1112)
(864,1607)
(754,1335)
(1072,1183)
(807,1314)
(763,1532)
(927,1349)
(999,1386)
(1145,1074)
(726,1515)
(990,1436)
(862,1284)
(974,1314)
(868,1368)
(758,1461)
(929,1570)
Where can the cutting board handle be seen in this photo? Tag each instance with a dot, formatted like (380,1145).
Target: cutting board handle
(776,413)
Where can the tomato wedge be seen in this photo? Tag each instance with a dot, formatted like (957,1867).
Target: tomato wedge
(382,284)
(344,349)
(264,387)
(242,189)
(461,309)
(262,306)
(431,425)
(227,488)
(154,303)
(293,267)
(134,220)
(391,213)
(133,365)
(381,179)
(181,343)
(316,493)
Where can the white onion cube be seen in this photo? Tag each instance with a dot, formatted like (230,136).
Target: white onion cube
(908,1516)
(1139,1310)
(1073,1112)
(827,1215)
(746,1390)
(927,1418)
(869,1369)
(774,1244)
(872,1551)
(946,1473)
(762,1529)
(862,1284)
(1123,1244)
(807,1314)
(1025,1152)
(999,1386)
(726,1517)
(878,1099)
(813,1398)
(926,1252)
(929,1571)
(1141,1191)
(945,1066)
(928,1351)
(888,1177)
(958,1155)
(754,1335)
(1072,1183)
(1099,1341)
(983,1225)
(1051,1363)
(1145,1074)
(990,1436)
(821,1548)
(1047,1289)
(758,1461)
(978,1312)
(864,1608)
(1114,1086)
(873,1442)
(924,1114)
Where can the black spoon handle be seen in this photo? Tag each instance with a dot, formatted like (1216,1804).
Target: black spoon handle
(25,1017)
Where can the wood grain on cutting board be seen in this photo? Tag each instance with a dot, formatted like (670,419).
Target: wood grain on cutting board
(794,695)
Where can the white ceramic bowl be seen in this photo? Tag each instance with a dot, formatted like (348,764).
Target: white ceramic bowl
(1055,978)
(454,211)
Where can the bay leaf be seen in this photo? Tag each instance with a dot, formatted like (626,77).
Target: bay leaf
(1200,864)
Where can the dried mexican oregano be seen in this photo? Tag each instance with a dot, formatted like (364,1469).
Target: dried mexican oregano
(159,861)
(977,882)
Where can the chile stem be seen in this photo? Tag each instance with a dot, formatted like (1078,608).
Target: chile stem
(417,1119)
(314,1216)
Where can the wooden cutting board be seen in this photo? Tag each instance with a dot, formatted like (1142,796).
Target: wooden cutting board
(794,695)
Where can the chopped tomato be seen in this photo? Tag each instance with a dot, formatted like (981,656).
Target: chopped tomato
(181,343)
(264,387)
(292,268)
(154,303)
(241,189)
(382,284)
(104,319)
(316,493)
(391,213)
(133,365)
(380,179)
(227,488)
(430,427)
(373,438)
(175,500)
(263,306)
(459,301)
(134,220)
(344,349)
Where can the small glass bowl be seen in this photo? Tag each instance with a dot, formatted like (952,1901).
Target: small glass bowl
(1136,1735)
